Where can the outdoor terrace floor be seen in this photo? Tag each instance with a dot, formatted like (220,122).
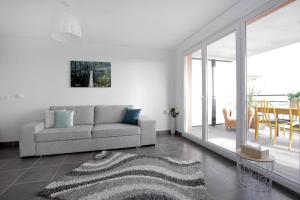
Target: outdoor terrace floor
(286,161)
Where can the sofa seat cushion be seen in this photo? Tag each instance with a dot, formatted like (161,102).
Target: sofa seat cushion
(59,134)
(114,130)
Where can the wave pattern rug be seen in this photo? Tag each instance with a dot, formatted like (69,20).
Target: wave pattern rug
(121,176)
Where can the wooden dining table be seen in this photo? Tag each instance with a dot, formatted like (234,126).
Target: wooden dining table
(278,111)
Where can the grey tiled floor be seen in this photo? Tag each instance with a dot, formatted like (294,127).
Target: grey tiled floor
(23,178)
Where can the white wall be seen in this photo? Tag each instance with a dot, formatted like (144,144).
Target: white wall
(40,70)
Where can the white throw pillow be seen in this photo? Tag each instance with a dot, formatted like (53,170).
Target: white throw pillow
(49,119)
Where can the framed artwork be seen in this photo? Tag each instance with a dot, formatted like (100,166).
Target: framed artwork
(90,74)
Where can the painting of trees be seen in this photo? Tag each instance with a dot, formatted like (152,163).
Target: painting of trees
(104,79)
(83,72)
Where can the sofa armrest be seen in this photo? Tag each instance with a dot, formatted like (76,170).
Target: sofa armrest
(148,130)
(27,141)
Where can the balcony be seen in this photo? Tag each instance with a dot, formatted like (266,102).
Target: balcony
(287,160)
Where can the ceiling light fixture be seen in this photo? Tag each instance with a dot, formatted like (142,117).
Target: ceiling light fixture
(65,26)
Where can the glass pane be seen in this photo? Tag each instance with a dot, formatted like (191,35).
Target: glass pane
(194,93)
(273,46)
(221,65)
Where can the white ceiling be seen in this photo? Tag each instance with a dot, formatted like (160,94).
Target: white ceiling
(143,23)
(278,29)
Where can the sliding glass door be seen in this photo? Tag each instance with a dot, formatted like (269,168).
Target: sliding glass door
(230,81)
(273,46)
(221,67)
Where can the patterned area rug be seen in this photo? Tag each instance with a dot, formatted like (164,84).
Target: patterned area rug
(121,176)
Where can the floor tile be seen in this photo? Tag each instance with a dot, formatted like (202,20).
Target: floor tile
(23,191)
(64,169)
(34,173)
(38,174)
(9,176)
(3,162)
(216,183)
(78,157)
(230,172)
(219,162)
(50,160)
(9,153)
(19,163)
(173,146)
(185,151)
(129,150)
(182,154)
(151,150)
(3,189)
(167,139)
(175,155)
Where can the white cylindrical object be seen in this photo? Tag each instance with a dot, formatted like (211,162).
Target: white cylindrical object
(91,82)
(66,27)
(19,96)
(172,125)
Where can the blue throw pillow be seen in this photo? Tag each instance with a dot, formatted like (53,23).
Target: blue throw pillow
(63,119)
(131,116)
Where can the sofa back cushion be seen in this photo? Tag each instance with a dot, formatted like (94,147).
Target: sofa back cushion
(84,115)
(110,114)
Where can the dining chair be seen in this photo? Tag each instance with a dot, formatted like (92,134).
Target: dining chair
(294,122)
(268,117)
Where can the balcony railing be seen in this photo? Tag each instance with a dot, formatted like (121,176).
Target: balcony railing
(274,98)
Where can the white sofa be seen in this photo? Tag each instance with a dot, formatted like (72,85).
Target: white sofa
(95,128)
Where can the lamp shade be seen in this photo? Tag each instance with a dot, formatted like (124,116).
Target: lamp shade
(65,27)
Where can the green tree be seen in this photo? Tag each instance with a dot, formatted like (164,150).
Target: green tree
(105,79)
